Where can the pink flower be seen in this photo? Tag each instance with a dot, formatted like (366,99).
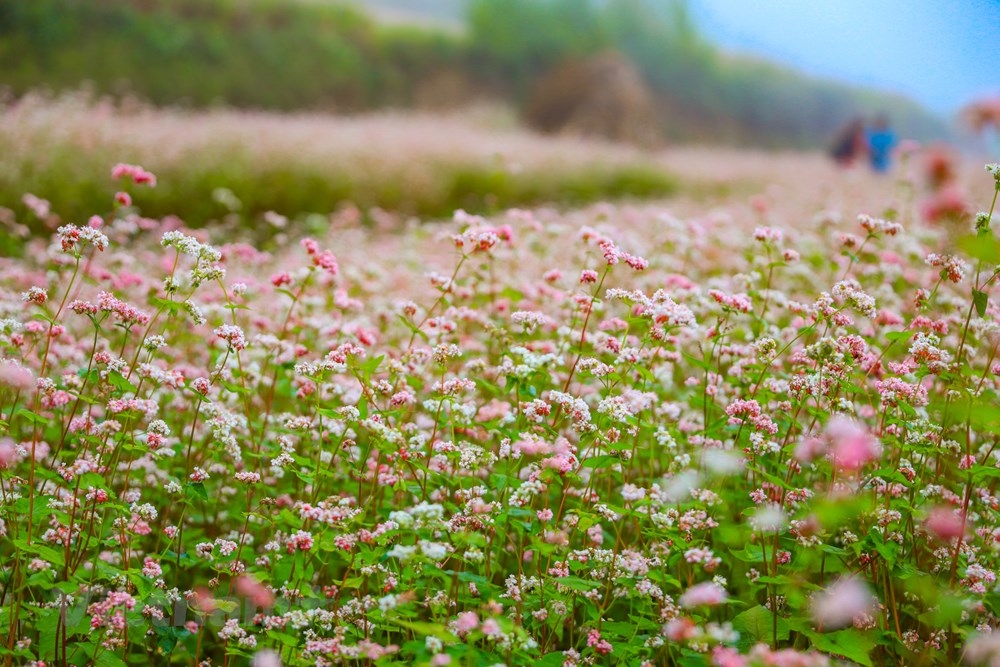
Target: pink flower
(945,523)
(138,175)
(947,203)
(707,594)
(636,263)
(490,627)
(300,541)
(852,445)
(123,312)
(233,335)
(728,657)
(737,302)
(201,599)
(983,648)
(809,449)
(40,207)
(258,594)
(767,234)
(151,568)
(532,447)
(266,658)
(323,259)
(466,622)
(8,454)
(15,376)
(760,205)
(680,629)
(35,295)
(837,606)
(600,646)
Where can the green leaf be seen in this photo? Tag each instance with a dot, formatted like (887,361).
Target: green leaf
(30,416)
(47,553)
(699,363)
(370,366)
(985,249)
(196,490)
(691,659)
(620,628)
(119,382)
(888,551)
(427,629)
(948,612)
(981,299)
(171,307)
(757,624)
(751,553)
(108,658)
(235,388)
(899,336)
(283,637)
(413,329)
(168,637)
(852,644)
(577,583)
(603,461)
(777,481)
(984,472)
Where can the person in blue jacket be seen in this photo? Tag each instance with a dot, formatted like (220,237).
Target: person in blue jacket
(881,141)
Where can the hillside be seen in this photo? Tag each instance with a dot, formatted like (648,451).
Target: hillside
(426,54)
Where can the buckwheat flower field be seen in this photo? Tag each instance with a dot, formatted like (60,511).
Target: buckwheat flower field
(733,433)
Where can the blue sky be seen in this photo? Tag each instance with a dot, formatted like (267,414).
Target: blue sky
(942,53)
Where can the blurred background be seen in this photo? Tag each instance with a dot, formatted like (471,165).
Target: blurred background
(644,75)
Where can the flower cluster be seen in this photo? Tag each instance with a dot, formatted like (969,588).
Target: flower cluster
(743,445)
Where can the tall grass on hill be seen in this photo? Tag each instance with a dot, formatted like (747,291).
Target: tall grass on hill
(302,163)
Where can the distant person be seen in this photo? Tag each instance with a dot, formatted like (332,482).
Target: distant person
(851,144)
(881,141)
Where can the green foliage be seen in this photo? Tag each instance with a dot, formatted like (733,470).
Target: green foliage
(518,39)
(249,54)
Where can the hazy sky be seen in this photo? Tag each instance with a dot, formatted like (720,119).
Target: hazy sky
(942,53)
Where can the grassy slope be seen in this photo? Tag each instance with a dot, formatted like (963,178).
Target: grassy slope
(304,163)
